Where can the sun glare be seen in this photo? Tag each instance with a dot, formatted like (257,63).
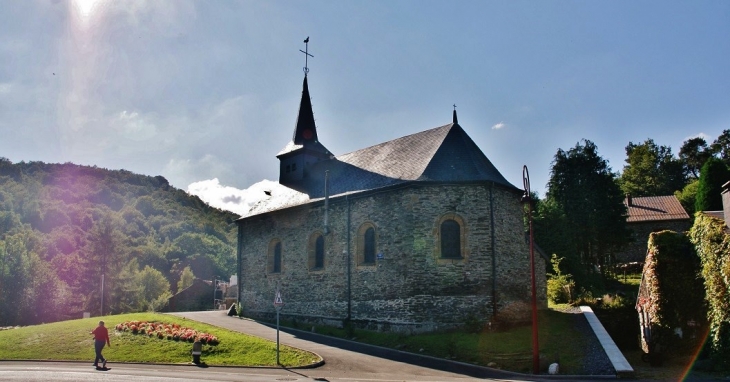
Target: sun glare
(85,7)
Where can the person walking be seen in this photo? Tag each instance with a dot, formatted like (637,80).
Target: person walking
(101,338)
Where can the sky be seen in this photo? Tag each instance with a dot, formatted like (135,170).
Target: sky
(206,93)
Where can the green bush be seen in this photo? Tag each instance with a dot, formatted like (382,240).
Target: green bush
(560,286)
(614,301)
(712,244)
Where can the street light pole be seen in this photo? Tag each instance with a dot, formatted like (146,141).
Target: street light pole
(527,200)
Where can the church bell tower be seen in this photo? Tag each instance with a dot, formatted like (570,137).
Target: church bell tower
(304,149)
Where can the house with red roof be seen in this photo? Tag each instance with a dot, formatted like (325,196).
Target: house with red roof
(651,214)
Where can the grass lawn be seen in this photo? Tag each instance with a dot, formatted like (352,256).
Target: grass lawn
(71,340)
(509,349)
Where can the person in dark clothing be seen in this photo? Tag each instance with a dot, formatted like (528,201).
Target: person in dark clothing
(101,338)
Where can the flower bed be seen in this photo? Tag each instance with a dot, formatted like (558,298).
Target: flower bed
(162,330)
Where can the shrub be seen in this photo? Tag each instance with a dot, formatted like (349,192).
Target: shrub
(713,247)
(560,286)
(614,301)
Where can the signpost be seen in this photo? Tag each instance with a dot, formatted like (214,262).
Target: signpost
(278,303)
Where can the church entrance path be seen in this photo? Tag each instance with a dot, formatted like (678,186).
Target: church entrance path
(346,360)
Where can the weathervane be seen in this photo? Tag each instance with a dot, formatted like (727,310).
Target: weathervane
(306,55)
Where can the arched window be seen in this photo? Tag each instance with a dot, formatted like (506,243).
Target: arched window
(319,252)
(366,245)
(369,246)
(315,251)
(450,239)
(274,263)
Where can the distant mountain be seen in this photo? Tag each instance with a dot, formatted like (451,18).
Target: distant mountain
(65,227)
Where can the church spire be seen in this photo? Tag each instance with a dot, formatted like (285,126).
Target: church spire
(305,130)
(304,150)
(456,120)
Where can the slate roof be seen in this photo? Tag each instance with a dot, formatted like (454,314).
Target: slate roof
(305,130)
(654,208)
(443,154)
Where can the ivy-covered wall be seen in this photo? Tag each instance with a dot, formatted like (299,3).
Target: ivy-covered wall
(670,304)
(712,242)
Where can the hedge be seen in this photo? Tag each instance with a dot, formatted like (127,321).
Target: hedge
(712,242)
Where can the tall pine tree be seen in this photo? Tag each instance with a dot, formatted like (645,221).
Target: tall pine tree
(583,187)
(713,175)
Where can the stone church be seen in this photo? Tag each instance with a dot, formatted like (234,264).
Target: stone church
(416,234)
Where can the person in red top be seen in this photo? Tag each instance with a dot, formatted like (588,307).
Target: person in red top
(101,338)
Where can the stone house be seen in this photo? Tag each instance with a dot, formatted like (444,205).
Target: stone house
(198,296)
(415,234)
(651,214)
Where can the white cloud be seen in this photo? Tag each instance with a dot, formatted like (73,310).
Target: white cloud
(183,171)
(230,198)
(498,126)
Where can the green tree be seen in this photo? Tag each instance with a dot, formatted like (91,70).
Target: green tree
(47,297)
(651,170)
(13,276)
(67,224)
(559,285)
(207,255)
(713,175)
(103,260)
(721,146)
(126,294)
(186,279)
(688,195)
(582,186)
(31,291)
(153,284)
(693,154)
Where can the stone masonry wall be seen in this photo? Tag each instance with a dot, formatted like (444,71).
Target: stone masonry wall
(410,287)
(636,250)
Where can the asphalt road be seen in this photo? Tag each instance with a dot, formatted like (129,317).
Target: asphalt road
(24,371)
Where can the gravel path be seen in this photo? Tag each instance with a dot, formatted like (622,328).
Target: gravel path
(596,361)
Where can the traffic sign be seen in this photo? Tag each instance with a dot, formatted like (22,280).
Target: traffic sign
(278,302)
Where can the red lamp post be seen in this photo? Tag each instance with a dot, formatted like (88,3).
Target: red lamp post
(527,200)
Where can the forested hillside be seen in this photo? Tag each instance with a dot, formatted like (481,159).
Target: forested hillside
(65,227)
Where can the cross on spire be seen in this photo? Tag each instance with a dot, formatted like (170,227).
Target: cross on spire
(306,55)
